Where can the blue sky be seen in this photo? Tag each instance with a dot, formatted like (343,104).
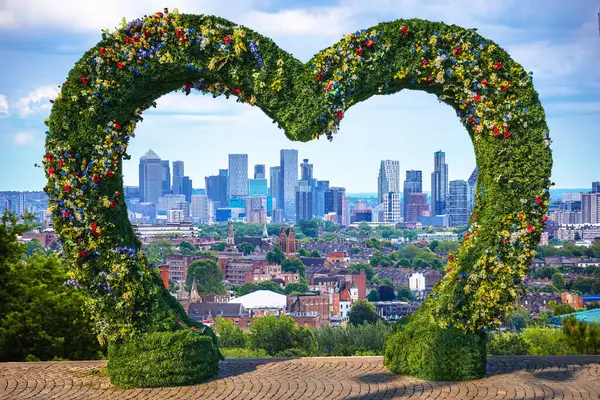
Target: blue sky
(41,40)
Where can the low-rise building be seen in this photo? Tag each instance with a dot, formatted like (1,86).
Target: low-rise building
(170,230)
(393,310)
(310,303)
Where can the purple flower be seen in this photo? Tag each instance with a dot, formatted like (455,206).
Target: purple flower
(256,54)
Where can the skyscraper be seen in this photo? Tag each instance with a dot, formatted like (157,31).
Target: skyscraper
(472,182)
(334,202)
(412,184)
(590,208)
(304,202)
(150,175)
(21,204)
(216,189)
(596,187)
(393,210)
(178,172)
(186,188)
(388,179)
(166,177)
(238,175)
(258,187)
(306,171)
(259,171)
(458,203)
(274,173)
(288,181)
(439,183)
(319,198)
(416,206)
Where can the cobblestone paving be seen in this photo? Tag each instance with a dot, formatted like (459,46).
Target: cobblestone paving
(568,377)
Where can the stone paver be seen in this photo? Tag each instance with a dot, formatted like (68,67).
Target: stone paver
(556,377)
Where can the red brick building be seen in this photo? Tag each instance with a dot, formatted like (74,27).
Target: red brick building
(310,303)
(287,242)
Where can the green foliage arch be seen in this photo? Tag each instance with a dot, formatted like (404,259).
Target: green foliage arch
(104,97)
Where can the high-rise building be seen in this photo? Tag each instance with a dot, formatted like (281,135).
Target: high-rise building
(258,187)
(169,202)
(7,206)
(458,203)
(256,209)
(216,188)
(21,209)
(288,180)
(178,173)
(304,202)
(412,184)
(590,208)
(238,175)
(306,171)
(274,175)
(259,171)
(393,209)
(150,175)
(334,202)
(166,177)
(439,183)
(319,198)
(596,187)
(201,209)
(186,188)
(416,206)
(388,179)
(472,188)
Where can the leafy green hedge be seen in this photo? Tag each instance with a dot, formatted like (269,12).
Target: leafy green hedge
(162,359)
(430,352)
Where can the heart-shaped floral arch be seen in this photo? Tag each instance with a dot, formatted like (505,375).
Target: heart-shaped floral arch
(95,116)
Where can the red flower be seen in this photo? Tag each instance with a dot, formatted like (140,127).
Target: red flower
(51,171)
(369,43)
(65,213)
(84,80)
(146,34)
(227,39)
(424,63)
(496,131)
(544,218)
(450,257)
(339,115)
(136,39)
(404,31)
(317,77)
(120,65)
(52,101)
(48,157)
(81,253)
(503,88)
(538,200)
(188,87)
(484,82)
(94,229)
(530,228)
(117,126)
(60,164)
(498,65)
(236,91)
(113,204)
(103,51)
(507,134)
(429,79)
(477,97)
(456,50)
(117,193)
(96,178)
(359,51)
(67,188)
(109,173)
(329,87)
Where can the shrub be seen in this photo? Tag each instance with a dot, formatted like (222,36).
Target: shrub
(277,334)
(427,351)
(183,357)
(546,341)
(362,311)
(292,353)
(365,338)
(507,344)
(233,352)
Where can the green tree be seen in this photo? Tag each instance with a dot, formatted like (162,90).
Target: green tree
(315,253)
(309,228)
(584,285)
(186,248)
(275,256)
(596,286)
(562,309)
(374,243)
(404,262)
(35,247)
(379,259)
(369,271)
(356,250)
(330,227)
(433,245)
(219,246)
(159,250)
(208,277)
(173,286)
(546,341)
(507,344)
(230,335)
(386,293)
(246,248)
(361,312)
(544,318)
(364,230)
(405,294)
(592,306)
(302,252)
(558,281)
(270,285)
(518,319)
(373,295)
(247,288)
(277,334)
(293,265)
(295,288)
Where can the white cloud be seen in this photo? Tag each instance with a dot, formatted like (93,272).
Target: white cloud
(22,138)
(36,101)
(3,106)
(322,21)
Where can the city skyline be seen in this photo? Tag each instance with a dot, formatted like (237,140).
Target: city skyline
(407,127)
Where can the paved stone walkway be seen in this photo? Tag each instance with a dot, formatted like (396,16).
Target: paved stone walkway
(569,377)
